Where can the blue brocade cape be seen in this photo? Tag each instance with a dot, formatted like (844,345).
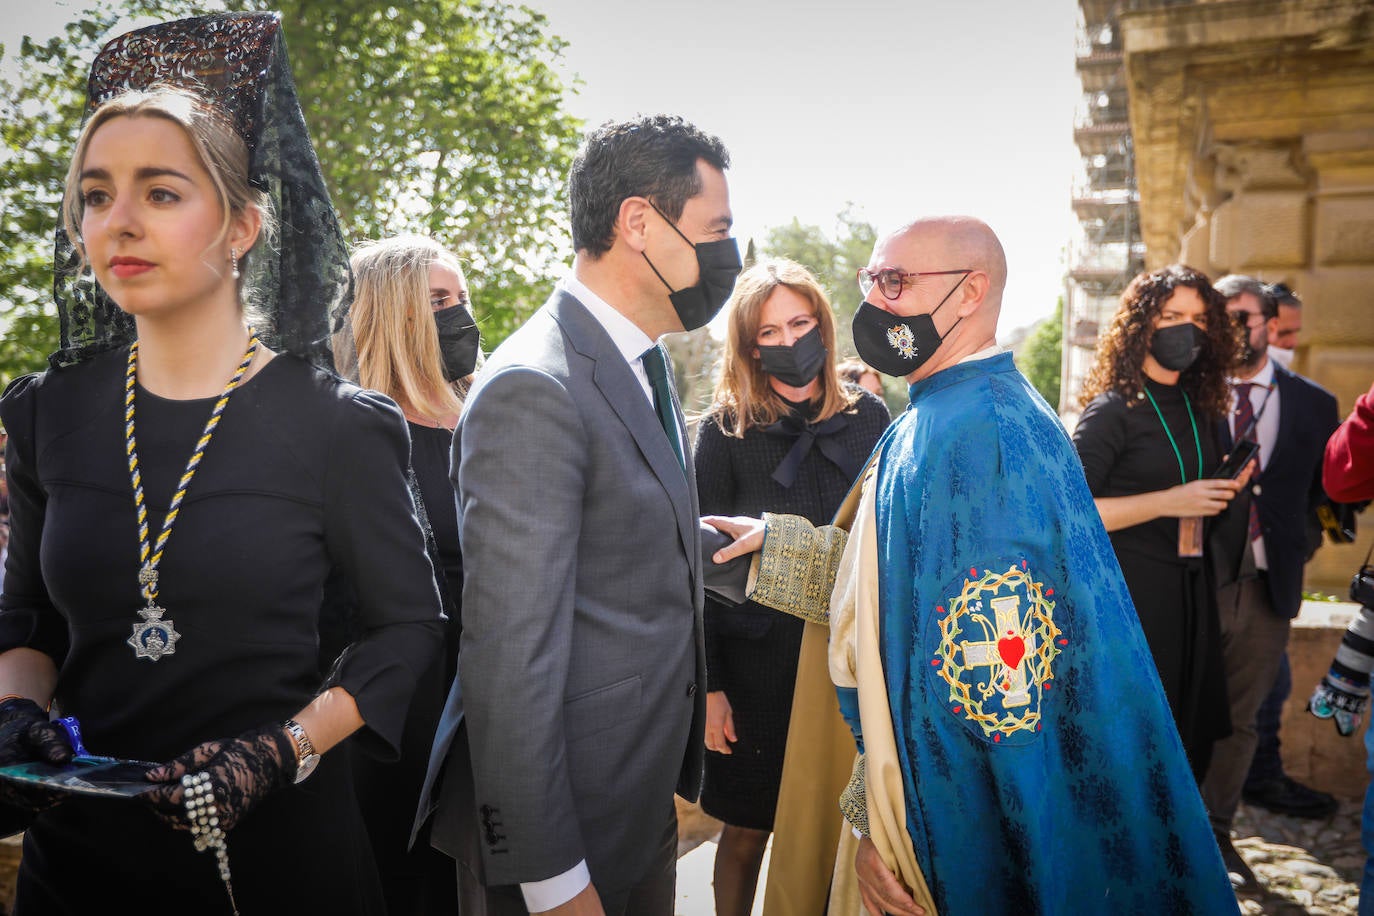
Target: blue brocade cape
(1042,769)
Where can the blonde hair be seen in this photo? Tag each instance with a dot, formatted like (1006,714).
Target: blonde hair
(743,396)
(222,152)
(393,325)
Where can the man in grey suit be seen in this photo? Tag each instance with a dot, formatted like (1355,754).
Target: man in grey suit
(582,649)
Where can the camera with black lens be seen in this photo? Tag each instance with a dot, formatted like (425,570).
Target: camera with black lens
(1362,586)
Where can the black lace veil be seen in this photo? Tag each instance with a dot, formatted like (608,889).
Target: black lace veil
(302,285)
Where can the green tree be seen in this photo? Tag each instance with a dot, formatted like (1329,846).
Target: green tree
(444,117)
(1042,357)
(437,116)
(695,356)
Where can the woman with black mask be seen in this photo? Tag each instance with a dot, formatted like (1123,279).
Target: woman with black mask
(418,344)
(783,435)
(1149,441)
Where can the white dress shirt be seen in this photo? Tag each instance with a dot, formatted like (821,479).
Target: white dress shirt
(624,333)
(1265,402)
(985,353)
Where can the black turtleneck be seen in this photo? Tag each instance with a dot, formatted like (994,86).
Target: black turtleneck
(1126,451)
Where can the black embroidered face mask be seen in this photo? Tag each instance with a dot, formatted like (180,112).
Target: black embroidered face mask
(896,345)
(798,364)
(718,263)
(458,341)
(1177,346)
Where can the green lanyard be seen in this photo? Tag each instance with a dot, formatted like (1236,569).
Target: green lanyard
(1196,441)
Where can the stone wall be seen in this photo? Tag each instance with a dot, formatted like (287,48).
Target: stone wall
(1254,133)
(1313,752)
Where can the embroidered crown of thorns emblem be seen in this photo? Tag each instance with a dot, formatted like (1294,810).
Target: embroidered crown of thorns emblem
(998,642)
(902,340)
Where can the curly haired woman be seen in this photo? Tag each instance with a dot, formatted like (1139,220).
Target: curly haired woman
(1149,439)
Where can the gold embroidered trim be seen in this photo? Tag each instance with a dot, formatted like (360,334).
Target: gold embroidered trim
(854,798)
(796,567)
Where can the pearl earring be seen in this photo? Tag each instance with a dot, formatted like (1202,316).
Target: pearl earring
(234,263)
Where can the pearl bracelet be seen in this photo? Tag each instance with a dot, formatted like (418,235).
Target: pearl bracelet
(203,816)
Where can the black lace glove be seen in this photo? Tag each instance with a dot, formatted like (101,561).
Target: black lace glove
(242,772)
(27,736)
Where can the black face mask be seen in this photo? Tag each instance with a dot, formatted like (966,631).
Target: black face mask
(718,263)
(895,345)
(1177,346)
(458,341)
(798,364)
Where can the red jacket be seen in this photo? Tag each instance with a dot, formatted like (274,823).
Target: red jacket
(1348,471)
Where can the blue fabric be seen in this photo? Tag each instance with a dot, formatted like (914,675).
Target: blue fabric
(849,711)
(1042,769)
(1367,831)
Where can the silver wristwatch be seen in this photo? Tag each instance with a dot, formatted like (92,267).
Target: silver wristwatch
(306,758)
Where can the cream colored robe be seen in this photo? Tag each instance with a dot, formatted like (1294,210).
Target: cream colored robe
(813,846)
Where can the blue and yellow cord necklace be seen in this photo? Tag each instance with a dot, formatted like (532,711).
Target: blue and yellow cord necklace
(155,637)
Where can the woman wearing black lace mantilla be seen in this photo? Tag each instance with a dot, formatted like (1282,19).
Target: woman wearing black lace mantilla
(183,479)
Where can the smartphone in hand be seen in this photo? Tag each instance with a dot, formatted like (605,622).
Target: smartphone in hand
(1242,454)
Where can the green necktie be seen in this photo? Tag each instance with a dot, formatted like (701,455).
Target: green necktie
(656,367)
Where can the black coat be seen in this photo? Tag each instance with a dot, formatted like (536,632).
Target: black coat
(1287,492)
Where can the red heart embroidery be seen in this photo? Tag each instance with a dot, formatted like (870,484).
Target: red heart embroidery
(1012,649)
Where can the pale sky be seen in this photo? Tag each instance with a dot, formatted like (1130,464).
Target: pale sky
(904,107)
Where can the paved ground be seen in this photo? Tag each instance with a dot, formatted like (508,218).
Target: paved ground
(1305,868)
(694,882)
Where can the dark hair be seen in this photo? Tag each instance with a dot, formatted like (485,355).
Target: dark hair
(1121,350)
(1282,295)
(654,156)
(1233,285)
(853,369)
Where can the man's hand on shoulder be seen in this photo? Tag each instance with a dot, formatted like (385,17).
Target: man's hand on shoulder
(880,889)
(747,532)
(586,903)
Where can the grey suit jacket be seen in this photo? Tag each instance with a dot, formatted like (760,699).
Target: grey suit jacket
(581,670)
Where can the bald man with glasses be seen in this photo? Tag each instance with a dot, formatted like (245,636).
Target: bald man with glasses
(1017,753)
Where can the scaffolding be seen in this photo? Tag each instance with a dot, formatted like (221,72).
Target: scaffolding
(1106,250)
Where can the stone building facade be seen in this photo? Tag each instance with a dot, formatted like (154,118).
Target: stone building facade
(1253,125)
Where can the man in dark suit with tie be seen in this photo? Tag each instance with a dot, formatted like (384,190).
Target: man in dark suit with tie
(1261,554)
(582,646)
(1267,785)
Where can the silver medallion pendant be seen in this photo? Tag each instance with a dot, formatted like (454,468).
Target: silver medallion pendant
(154,637)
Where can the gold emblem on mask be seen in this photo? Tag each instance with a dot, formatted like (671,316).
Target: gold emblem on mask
(899,336)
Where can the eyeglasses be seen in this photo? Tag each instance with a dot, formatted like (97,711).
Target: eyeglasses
(1243,318)
(892,281)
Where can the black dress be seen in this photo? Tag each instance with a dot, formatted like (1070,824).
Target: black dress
(305,472)
(1125,452)
(418,880)
(751,651)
